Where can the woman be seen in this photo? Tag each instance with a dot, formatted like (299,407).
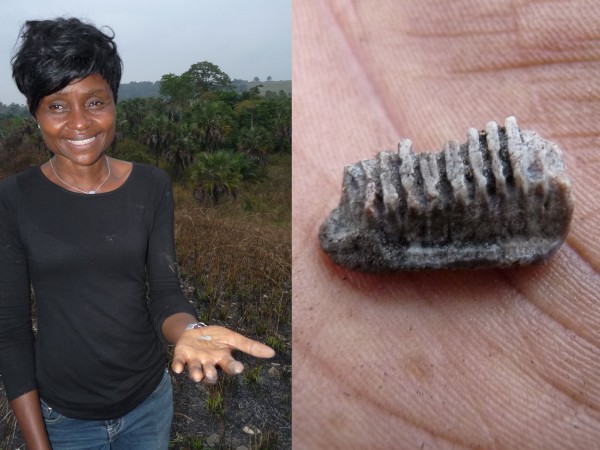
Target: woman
(89,234)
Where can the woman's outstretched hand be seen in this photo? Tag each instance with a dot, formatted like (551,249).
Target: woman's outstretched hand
(205,349)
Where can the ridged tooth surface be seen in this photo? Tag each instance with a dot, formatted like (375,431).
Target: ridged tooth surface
(502,198)
(431,176)
(388,190)
(391,198)
(516,154)
(350,191)
(370,193)
(456,172)
(476,162)
(493,143)
(413,217)
(407,173)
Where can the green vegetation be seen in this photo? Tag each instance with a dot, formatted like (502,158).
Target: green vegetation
(275,343)
(13,110)
(136,89)
(214,401)
(252,375)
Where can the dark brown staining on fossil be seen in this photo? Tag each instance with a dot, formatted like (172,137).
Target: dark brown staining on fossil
(500,199)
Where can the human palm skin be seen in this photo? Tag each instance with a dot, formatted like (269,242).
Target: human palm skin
(504,358)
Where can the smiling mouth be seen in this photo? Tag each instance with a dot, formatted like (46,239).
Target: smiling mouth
(82,142)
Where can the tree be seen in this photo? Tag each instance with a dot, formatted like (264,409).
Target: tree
(282,130)
(179,89)
(245,110)
(13,110)
(269,78)
(229,97)
(207,76)
(132,150)
(130,114)
(156,132)
(21,145)
(256,79)
(178,153)
(211,123)
(255,144)
(217,174)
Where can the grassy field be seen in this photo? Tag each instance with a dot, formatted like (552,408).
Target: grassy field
(274,86)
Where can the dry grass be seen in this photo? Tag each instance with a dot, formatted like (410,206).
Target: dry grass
(19,159)
(8,424)
(237,257)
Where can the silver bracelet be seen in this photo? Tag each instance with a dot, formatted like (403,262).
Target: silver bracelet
(195,325)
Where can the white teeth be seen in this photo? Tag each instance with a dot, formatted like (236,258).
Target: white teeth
(84,142)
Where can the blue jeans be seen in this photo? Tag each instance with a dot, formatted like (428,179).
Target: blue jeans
(147,427)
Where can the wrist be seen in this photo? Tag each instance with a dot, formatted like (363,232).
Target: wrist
(173,327)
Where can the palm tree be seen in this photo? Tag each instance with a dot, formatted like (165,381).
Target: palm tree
(156,132)
(178,153)
(282,130)
(217,174)
(132,113)
(212,124)
(255,143)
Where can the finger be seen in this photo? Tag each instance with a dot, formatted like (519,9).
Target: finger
(195,372)
(230,366)
(178,363)
(250,346)
(210,373)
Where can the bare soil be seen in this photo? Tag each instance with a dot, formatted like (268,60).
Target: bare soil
(262,407)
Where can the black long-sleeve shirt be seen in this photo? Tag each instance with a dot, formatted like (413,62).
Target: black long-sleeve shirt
(104,276)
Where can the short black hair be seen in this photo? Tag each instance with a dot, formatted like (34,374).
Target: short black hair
(53,53)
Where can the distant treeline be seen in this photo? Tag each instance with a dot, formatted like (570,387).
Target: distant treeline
(13,110)
(144,89)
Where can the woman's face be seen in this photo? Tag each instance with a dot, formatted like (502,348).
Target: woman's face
(78,122)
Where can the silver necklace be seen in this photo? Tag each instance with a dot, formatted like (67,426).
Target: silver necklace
(76,188)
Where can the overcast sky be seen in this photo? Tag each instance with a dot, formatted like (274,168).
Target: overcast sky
(246,39)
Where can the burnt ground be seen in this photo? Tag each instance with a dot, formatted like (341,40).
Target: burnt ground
(256,407)
(260,403)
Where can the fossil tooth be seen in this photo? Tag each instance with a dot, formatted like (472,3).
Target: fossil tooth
(500,199)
